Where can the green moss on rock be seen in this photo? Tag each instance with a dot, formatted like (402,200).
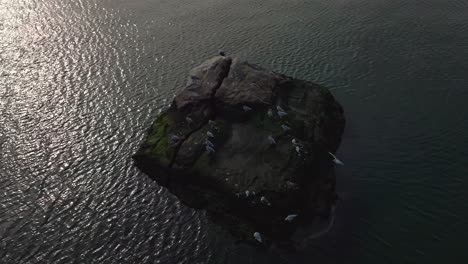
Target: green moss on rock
(158,141)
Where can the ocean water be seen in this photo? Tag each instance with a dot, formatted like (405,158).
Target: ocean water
(81,81)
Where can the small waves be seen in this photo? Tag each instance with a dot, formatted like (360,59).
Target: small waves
(80,83)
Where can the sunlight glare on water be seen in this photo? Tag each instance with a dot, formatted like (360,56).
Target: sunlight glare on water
(81,81)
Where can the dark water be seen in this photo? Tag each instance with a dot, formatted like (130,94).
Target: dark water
(80,81)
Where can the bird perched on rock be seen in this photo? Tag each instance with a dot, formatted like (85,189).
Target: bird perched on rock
(298,150)
(175,138)
(290,217)
(246,108)
(270,113)
(336,160)
(265,201)
(285,128)
(209,143)
(209,149)
(258,237)
(281,114)
(271,140)
(291,185)
(209,134)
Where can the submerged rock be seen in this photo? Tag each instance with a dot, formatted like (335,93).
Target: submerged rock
(241,157)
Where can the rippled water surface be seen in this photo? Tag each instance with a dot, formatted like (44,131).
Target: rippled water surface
(81,81)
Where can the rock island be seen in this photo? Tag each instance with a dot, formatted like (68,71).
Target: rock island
(252,147)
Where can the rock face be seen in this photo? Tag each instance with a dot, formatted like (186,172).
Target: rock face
(249,146)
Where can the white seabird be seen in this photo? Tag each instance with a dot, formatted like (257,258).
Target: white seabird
(246,108)
(270,113)
(291,184)
(280,109)
(336,160)
(258,237)
(298,150)
(272,140)
(294,141)
(264,200)
(209,134)
(175,138)
(210,149)
(285,128)
(209,143)
(290,217)
(247,193)
(282,113)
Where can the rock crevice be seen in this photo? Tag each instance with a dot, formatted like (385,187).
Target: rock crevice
(203,82)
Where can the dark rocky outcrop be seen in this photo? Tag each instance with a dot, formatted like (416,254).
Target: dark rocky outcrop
(245,109)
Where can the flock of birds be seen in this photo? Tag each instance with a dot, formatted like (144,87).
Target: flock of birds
(210,148)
